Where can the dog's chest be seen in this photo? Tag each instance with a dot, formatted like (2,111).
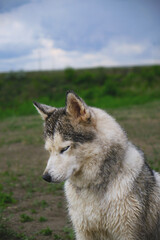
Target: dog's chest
(89,212)
(84,208)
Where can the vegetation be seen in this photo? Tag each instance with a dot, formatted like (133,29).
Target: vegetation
(103,87)
(46,232)
(5,198)
(37,210)
(25,218)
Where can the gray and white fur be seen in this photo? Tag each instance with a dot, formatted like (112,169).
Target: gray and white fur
(111,191)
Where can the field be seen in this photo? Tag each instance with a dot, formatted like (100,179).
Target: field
(30,208)
(35,209)
(101,87)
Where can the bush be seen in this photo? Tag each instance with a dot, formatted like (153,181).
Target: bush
(70,75)
(111,88)
(18,90)
(85,78)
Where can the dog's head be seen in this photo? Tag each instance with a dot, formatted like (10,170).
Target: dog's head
(68,132)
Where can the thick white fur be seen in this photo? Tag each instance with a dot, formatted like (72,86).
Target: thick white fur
(94,214)
(110,216)
(113,214)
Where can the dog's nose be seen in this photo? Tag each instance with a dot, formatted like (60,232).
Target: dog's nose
(47,177)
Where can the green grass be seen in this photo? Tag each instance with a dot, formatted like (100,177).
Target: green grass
(5,198)
(23,193)
(69,232)
(43,204)
(46,232)
(33,211)
(25,218)
(42,219)
(7,233)
(57,237)
(101,87)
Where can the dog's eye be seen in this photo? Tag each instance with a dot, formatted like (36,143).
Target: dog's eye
(64,149)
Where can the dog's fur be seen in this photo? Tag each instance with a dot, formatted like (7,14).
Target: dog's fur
(112,193)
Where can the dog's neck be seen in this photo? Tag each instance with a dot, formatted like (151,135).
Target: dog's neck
(97,173)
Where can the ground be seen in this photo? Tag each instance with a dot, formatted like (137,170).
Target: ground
(35,209)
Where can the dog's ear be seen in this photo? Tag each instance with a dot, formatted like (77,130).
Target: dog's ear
(76,107)
(44,110)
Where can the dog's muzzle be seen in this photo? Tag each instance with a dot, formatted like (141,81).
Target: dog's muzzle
(47,177)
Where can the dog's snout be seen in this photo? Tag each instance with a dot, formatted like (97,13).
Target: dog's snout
(47,177)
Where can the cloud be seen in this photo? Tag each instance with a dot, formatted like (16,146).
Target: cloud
(125,48)
(56,34)
(47,56)
(17,38)
(7,5)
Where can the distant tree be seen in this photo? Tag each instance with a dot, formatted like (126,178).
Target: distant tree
(70,74)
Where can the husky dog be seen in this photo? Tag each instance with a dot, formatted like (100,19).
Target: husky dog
(111,191)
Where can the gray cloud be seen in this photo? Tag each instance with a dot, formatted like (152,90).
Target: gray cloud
(106,32)
(7,5)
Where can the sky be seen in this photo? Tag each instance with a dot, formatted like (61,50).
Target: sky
(51,34)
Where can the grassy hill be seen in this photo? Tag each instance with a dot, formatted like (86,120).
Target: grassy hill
(101,87)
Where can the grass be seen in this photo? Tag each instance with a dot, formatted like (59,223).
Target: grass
(33,208)
(43,204)
(103,87)
(42,219)
(69,232)
(7,233)
(141,123)
(25,218)
(57,237)
(5,198)
(46,232)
